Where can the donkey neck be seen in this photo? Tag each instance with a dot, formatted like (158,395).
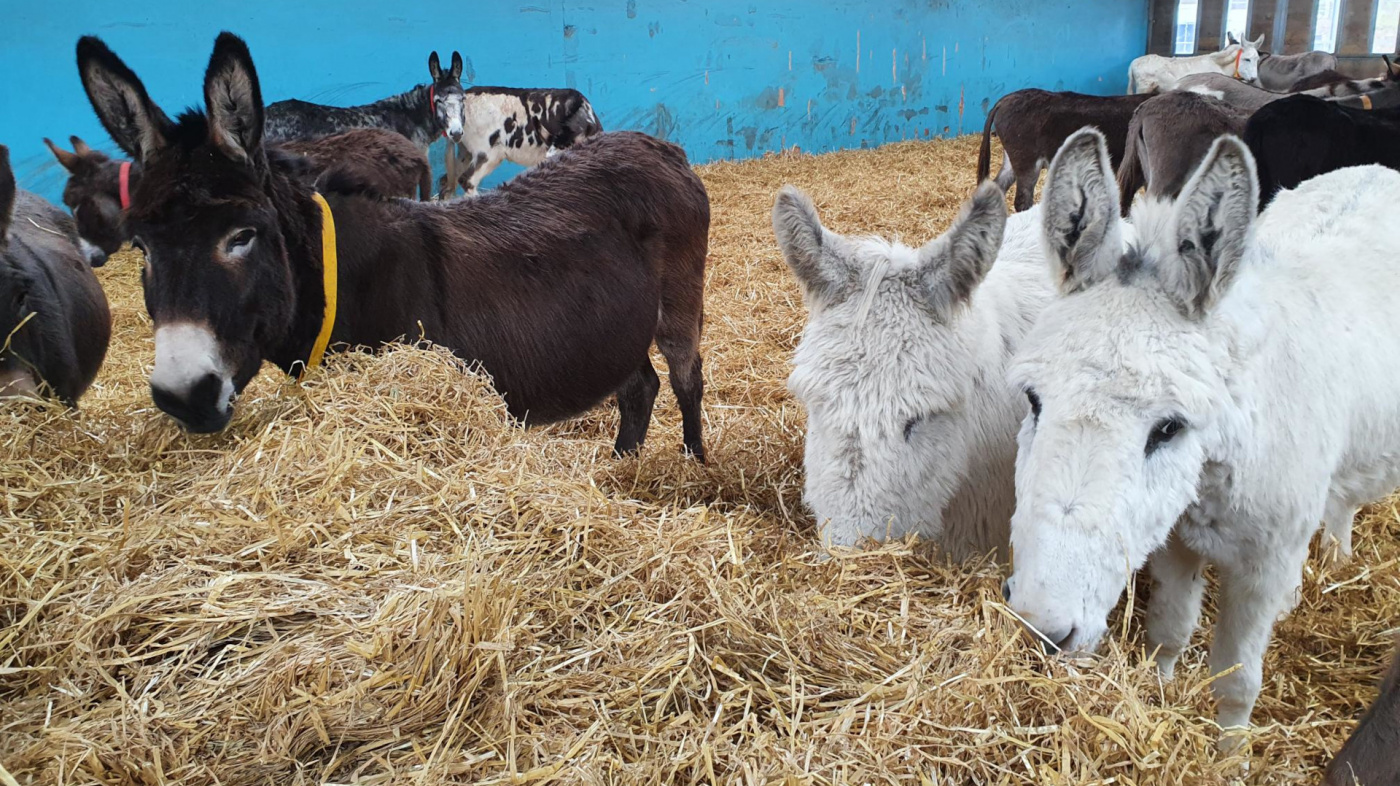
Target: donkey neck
(410,113)
(300,222)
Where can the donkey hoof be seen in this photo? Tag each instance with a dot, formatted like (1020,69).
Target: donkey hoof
(696,452)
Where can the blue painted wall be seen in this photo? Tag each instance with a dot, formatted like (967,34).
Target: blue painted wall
(723,78)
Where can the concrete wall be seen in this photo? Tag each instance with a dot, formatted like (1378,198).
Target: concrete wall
(724,78)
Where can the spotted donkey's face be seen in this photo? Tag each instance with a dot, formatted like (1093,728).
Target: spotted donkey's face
(449,100)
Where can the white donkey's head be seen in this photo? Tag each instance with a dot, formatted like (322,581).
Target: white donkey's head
(1124,374)
(885,368)
(1243,57)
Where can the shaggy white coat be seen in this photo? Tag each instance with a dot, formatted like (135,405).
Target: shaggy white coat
(1275,344)
(901,369)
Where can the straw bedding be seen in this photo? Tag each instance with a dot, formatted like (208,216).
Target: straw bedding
(378,579)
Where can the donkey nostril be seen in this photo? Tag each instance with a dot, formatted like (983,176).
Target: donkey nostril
(1063,644)
(1006,590)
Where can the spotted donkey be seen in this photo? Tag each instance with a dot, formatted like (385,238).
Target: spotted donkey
(521,125)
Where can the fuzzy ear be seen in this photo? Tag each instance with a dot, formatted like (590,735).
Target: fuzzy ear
(1083,239)
(1258,43)
(1213,217)
(1230,37)
(826,276)
(67,160)
(457,66)
(434,67)
(233,99)
(133,121)
(7,194)
(79,146)
(952,266)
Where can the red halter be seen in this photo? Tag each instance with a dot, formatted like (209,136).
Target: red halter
(1238,55)
(432,105)
(124,184)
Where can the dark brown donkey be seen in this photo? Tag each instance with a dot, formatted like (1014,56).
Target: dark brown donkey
(54,322)
(557,283)
(1371,757)
(384,161)
(1169,137)
(1033,123)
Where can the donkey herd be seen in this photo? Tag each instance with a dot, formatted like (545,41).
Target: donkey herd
(1097,384)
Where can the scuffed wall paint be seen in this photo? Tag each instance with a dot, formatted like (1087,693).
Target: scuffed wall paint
(724,78)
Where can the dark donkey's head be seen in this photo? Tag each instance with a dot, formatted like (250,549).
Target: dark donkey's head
(218,279)
(448,97)
(93,194)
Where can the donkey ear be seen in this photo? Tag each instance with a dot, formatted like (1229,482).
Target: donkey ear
(953,265)
(1083,239)
(826,276)
(133,121)
(1230,38)
(1214,216)
(234,99)
(1258,43)
(67,160)
(79,146)
(7,194)
(434,67)
(457,65)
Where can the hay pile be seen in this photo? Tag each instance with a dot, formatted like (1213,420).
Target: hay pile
(376,579)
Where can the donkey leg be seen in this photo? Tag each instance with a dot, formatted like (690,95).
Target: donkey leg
(1175,605)
(634,403)
(480,166)
(1252,596)
(678,338)
(1336,527)
(1025,188)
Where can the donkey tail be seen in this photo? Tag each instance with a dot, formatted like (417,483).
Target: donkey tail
(1130,171)
(984,155)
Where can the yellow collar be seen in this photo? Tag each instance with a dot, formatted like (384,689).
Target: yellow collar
(328,272)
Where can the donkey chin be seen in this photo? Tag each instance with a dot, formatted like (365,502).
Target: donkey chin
(190,382)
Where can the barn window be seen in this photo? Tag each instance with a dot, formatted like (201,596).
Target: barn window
(1387,26)
(1237,18)
(1325,26)
(1187,13)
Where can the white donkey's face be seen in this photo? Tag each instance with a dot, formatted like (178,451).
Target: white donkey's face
(885,369)
(1124,374)
(1246,54)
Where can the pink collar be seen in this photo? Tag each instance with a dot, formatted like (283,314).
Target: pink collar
(124,184)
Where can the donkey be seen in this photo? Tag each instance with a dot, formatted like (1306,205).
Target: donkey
(388,163)
(1369,758)
(556,284)
(54,321)
(1168,137)
(421,114)
(1228,89)
(899,369)
(1155,73)
(1204,396)
(99,188)
(1033,123)
(1301,137)
(1333,84)
(1280,72)
(523,126)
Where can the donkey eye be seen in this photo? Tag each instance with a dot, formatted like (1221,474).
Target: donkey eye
(912,424)
(1162,433)
(240,241)
(1035,404)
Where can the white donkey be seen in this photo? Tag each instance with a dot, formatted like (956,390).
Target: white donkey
(1155,73)
(910,427)
(1204,396)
